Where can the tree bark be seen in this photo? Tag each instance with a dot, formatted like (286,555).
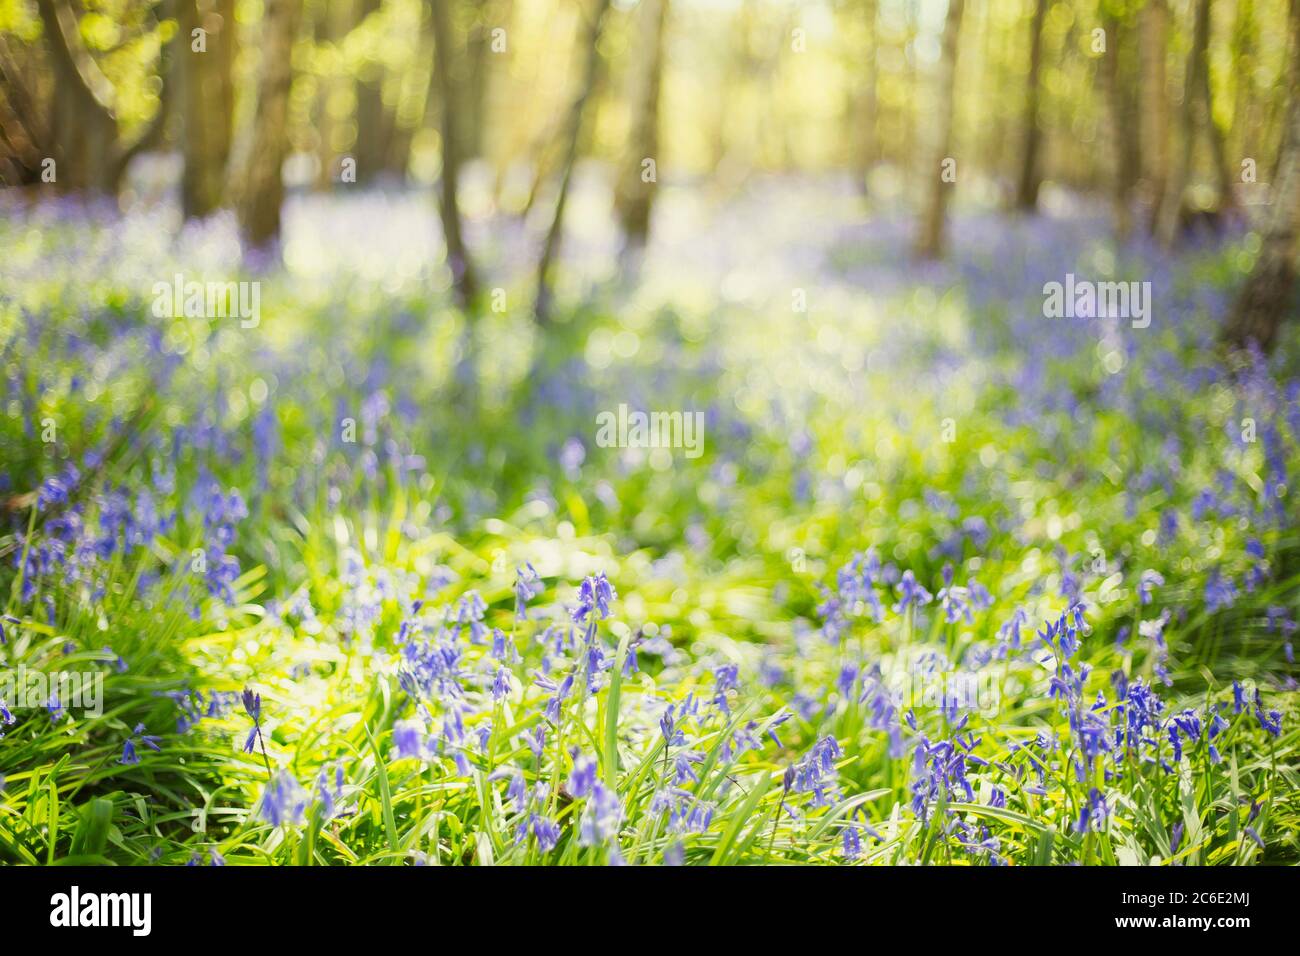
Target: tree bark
(208,93)
(1127,156)
(458,257)
(1154,27)
(1027,188)
(554,235)
(478,51)
(930,240)
(1217,136)
(374,120)
(23,133)
(1266,296)
(263,188)
(633,196)
(84,129)
(1171,206)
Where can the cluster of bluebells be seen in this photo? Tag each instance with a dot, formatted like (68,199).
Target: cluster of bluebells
(458,674)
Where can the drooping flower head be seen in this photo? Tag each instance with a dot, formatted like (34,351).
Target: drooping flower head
(528,584)
(913,593)
(594,594)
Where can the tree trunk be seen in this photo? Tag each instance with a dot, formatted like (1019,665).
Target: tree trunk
(1027,188)
(1171,206)
(633,195)
(374,120)
(1154,95)
(84,129)
(930,240)
(1265,298)
(23,134)
(554,235)
(1218,137)
(208,97)
(1246,114)
(263,188)
(458,258)
(1119,73)
(478,51)
(868,148)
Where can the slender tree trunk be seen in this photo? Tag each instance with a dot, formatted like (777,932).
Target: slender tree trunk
(634,192)
(374,120)
(554,235)
(478,50)
(930,241)
(1119,74)
(1027,188)
(205,72)
(1246,114)
(458,257)
(1154,27)
(1171,207)
(868,148)
(263,188)
(327,26)
(1217,136)
(1267,295)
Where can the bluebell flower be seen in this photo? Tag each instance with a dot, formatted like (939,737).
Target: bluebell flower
(408,738)
(1094,814)
(469,612)
(130,756)
(1148,581)
(536,740)
(725,677)
(668,728)
(601,817)
(1238,697)
(252,704)
(682,769)
(816,773)
(1270,720)
(583,776)
(516,788)
(559,693)
(1009,632)
(594,594)
(501,684)
(283,802)
(1220,592)
(503,649)
(980,598)
(852,842)
(545,830)
(913,593)
(527,586)
(330,798)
